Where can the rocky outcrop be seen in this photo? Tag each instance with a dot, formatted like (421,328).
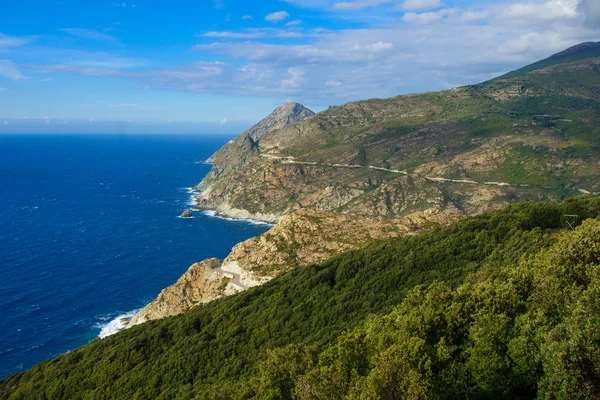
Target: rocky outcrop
(187,214)
(299,239)
(201,283)
(283,116)
(308,236)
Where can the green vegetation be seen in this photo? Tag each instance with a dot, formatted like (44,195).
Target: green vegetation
(492,306)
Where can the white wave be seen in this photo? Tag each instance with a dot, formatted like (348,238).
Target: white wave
(213,214)
(116,325)
(192,201)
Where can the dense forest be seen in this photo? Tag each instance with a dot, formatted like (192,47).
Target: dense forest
(501,305)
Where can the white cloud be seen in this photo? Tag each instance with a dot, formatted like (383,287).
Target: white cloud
(90,34)
(46,80)
(277,16)
(7,42)
(591,11)
(263,33)
(247,17)
(420,51)
(294,23)
(528,12)
(380,46)
(294,78)
(359,4)
(473,16)
(427,17)
(421,5)
(223,121)
(9,70)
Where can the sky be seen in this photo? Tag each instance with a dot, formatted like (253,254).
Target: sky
(218,66)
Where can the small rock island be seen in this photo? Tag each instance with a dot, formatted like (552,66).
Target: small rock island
(187,214)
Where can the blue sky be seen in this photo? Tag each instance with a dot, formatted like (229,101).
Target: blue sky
(217,66)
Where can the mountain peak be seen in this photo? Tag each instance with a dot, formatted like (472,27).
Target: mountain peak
(281,117)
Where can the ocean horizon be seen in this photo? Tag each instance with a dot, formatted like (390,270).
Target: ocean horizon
(91,231)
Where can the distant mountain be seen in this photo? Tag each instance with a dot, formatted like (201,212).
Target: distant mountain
(283,116)
(532,134)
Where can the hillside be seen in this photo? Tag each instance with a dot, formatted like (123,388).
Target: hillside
(502,305)
(532,134)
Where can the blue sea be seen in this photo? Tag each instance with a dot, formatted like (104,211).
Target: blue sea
(89,231)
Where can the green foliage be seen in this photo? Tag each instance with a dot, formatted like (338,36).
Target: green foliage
(527,329)
(478,309)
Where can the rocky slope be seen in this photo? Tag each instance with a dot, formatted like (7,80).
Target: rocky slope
(201,283)
(303,238)
(281,117)
(533,134)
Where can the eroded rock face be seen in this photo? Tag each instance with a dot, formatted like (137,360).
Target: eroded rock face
(299,239)
(283,116)
(201,283)
(308,236)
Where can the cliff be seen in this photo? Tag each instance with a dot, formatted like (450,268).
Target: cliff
(303,238)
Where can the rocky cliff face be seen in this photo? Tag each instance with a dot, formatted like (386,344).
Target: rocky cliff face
(283,116)
(200,284)
(300,239)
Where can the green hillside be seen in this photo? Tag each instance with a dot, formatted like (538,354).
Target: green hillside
(492,306)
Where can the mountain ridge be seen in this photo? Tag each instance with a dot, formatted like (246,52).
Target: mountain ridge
(281,117)
(391,157)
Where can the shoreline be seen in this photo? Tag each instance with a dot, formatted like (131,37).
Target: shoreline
(122,321)
(229,213)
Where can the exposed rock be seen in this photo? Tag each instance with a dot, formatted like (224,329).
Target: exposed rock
(283,116)
(187,214)
(305,237)
(310,236)
(200,284)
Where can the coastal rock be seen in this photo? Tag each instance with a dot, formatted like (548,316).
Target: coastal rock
(201,283)
(299,239)
(187,214)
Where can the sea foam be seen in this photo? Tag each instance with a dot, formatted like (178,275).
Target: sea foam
(117,324)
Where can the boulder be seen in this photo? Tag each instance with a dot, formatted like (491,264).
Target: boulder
(187,214)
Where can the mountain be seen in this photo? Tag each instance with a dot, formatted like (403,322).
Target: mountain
(283,116)
(502,305)
(530,135)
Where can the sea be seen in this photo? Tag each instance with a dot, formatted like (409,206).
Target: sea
(90,231)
